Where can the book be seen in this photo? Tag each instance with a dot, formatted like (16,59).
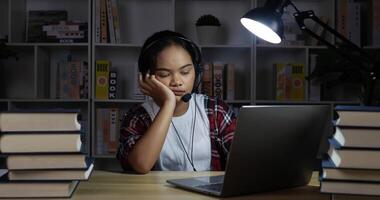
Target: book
(37,189)
(102,70)
(283,81)
(116,21)
(38,18)
(40,142)
(47,161)
(218,80)
(135,87)
(114,127)
(354,22)
(358,116)
(230,81)
(354,158)
(39,121)
(111,29)
(297,77)
(112,88)
(103,22)
(319,30)
(357,137)
(353,197)
(97,21)
(28,175)
(314,84)
(342,11)
(351,174)
(207,79)
(358,188)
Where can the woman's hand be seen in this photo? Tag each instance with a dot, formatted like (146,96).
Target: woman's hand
(160,93)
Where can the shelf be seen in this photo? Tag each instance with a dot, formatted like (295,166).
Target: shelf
(305,102)
(48,44)
(104,156)
(119,101)
(371,47)
(237,101)
(50,100)
(226,46)
(280,46)
(117,45)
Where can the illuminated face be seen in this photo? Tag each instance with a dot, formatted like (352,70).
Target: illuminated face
(175,69)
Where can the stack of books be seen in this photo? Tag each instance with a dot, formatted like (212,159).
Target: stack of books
(44,154)
(353,162)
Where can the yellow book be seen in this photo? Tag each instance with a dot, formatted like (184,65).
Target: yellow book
(102,70)
(298,82)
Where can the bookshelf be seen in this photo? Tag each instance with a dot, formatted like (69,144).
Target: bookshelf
(28,81)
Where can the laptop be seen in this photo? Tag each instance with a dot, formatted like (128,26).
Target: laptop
(274,147)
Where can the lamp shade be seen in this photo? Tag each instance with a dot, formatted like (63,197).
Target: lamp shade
(265,23)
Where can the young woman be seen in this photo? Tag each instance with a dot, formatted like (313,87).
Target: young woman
(176,129)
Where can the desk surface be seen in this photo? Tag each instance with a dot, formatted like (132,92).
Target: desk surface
(109,185)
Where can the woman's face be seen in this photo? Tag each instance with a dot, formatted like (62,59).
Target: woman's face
(175,69)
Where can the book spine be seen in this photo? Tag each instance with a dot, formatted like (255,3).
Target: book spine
(97,21)
(230,81)
(74,70)
(112,89)
(136,92)
(84,80)
(353,22)
(298,82)
(64,78)
(314,86)
(207,87)
(218,80)
(283,81)
(116,21)
(101,76)
(99,131)
(113,130)
(111,29)
(342,17)
(103,21)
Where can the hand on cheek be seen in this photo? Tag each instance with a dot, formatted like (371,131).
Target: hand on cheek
(160,93)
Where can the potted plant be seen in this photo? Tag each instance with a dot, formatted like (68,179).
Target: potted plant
(208,30)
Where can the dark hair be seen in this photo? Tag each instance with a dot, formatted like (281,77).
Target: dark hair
(161,40)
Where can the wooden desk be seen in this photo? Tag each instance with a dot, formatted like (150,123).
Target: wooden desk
(109,185)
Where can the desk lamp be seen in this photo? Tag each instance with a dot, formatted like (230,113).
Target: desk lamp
(266,23)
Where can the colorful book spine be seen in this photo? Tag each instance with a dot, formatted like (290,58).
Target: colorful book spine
(283,81)
(102,68)
(97,21)
(218,80)
(298,82)
(207,87)
(230,81)
(112,89)
(111,29)
(103,22)
(116,21)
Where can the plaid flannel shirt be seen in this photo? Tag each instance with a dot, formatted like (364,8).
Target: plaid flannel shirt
(222,127)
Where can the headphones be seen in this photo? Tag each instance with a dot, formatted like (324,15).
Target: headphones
(190,47)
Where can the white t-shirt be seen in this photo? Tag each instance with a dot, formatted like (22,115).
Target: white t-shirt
(173,156)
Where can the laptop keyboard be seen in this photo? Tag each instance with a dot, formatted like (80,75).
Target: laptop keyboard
(214,187)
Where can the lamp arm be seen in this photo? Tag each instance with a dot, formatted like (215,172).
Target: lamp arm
(300,18)
(367,63)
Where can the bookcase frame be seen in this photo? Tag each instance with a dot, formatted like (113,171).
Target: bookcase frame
(28,82)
